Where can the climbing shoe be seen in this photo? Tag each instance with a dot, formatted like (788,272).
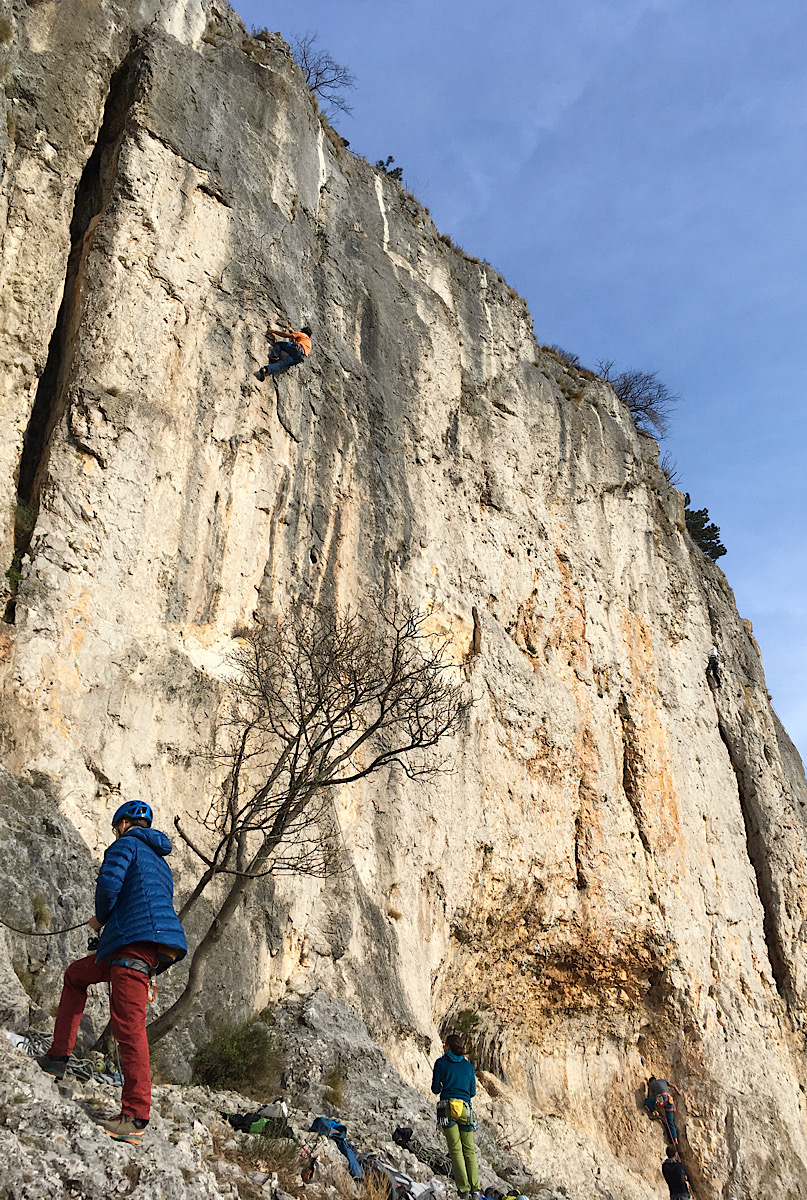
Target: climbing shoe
(261,374)
(54,1065)
(124,1128)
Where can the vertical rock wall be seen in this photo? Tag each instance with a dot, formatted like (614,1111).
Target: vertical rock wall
(612,879)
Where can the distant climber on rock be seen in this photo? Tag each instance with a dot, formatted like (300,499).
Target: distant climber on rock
(713,666)
(675,1175)
(286,353)
(454,1081)
(134,906)
(659,1103)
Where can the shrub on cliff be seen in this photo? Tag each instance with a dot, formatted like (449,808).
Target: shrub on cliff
(240,1055)
(565,356)
(385,165)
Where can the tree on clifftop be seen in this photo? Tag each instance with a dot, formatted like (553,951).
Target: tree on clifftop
(649,400)
(316,701)
(703,532)
(327,79)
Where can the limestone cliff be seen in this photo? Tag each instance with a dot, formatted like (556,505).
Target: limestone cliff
(613,878)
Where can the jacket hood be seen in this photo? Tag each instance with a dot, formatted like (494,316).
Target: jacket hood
(154,839)
(455,1057)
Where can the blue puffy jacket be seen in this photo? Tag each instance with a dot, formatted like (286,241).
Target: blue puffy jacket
(134,895)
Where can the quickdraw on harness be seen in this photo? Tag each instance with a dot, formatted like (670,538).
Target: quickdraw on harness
(138,964)
(455,1112)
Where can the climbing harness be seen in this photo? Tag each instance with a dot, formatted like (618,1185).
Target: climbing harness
(459,1112)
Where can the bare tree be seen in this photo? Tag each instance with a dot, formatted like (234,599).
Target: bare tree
(317,701)
(648,399)
(326,78)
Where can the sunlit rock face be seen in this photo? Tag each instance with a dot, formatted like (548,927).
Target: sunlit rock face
(612,879)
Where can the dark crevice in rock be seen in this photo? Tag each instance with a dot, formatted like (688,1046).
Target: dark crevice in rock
(632,771)
(758,857)
(91,198)
(579,834)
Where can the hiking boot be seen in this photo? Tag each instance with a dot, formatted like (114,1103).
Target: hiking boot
(124,1128)
(54,1065)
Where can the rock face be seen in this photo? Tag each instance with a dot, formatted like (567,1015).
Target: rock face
(612,881)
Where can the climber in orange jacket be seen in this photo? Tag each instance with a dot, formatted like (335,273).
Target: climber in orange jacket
(286,353)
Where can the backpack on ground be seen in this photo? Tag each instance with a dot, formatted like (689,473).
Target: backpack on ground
(396,1184)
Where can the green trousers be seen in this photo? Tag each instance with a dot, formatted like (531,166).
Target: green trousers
(460,1140)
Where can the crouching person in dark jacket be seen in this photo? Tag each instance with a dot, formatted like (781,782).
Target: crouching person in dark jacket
(134,906)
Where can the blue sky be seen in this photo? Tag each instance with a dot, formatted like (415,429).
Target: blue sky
(637,170)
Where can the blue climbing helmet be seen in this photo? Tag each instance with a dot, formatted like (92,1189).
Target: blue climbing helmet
(134,810)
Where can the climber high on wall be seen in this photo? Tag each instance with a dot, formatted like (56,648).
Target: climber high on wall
(286,353)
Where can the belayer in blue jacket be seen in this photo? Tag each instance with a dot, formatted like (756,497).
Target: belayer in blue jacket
(454,1081)
(134,906)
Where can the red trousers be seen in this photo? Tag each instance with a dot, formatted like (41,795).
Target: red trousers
(127,1010)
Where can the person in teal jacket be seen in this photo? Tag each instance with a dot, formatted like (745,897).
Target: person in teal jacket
(453,1079)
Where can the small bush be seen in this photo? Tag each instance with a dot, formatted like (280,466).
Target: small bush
(241,1055)
(386,166)
(374,1186)
(14,573)
(465,1021)
(566,357)
(6,30)
(334,1091)
(669,468)
(267,1154)
(42,914)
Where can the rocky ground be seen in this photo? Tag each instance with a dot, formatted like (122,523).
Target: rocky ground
(52,1147)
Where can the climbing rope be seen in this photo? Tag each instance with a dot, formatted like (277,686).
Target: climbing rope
(33,1043)
(38,933)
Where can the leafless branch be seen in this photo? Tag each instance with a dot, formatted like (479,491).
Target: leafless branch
(327,79)
(318,700)
(648,399)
